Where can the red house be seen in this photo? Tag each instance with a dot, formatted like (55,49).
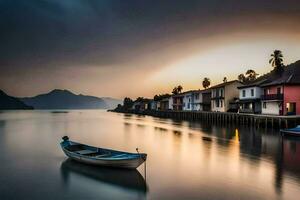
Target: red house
(281,94)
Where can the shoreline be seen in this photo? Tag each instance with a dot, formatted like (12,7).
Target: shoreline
(254,120)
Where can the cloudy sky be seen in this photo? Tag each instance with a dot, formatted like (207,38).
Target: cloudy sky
(139,47)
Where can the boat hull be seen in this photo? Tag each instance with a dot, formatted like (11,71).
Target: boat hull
(129,163)
(290,133)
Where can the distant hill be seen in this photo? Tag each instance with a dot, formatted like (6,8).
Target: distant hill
(11,103)
(64,99)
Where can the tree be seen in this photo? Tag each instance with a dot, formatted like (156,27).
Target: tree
(224,79)
(160,97)
(206,82)
(177,90)
(242,78)
(277,60)
(139,99)
(251,75)
(127,103)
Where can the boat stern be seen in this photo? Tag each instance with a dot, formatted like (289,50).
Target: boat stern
(144,156)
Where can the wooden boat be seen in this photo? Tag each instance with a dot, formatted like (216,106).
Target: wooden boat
(100,156)
(291,131)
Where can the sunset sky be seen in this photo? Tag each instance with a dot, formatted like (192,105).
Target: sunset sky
(138,47)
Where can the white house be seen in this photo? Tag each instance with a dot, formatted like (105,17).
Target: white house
(196,100)
(250,98)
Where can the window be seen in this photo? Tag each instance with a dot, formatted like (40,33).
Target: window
(197,96)
(246,106)
(244,93)
(279,90)
(264,105)
(252,92)
(221,92)
(221,103)
(217,103)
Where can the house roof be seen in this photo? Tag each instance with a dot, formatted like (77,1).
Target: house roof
(192,91)
(183,93)
(290,75)
(224,84)
(257,82)
(164,99)
(206,90)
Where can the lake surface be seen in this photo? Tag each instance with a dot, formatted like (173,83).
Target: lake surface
(186,160)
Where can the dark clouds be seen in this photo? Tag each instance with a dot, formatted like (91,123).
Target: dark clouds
(53,34)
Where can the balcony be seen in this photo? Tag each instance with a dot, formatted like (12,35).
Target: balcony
(272,97)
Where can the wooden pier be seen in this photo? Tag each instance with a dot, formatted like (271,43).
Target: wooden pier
(255,120)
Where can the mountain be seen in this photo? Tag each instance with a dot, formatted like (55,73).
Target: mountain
(11,103)
(64,99)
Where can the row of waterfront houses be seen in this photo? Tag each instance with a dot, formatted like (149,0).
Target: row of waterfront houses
(271,94)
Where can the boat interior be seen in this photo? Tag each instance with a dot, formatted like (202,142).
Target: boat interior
(95,152)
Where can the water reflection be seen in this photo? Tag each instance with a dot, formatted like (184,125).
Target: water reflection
(177,133)
(160,129)
(208,139)
(186,160)
(127,124)
(126,179)
(291,156)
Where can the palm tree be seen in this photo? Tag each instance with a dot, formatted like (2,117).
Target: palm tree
(277,60)
(206,82)
(179,88)
(225,79)
(175,91)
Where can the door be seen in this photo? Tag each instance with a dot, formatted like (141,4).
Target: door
(291,108)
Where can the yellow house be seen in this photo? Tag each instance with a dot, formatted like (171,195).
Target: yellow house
(223,94)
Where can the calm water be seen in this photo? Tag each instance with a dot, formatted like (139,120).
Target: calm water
(186,160)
